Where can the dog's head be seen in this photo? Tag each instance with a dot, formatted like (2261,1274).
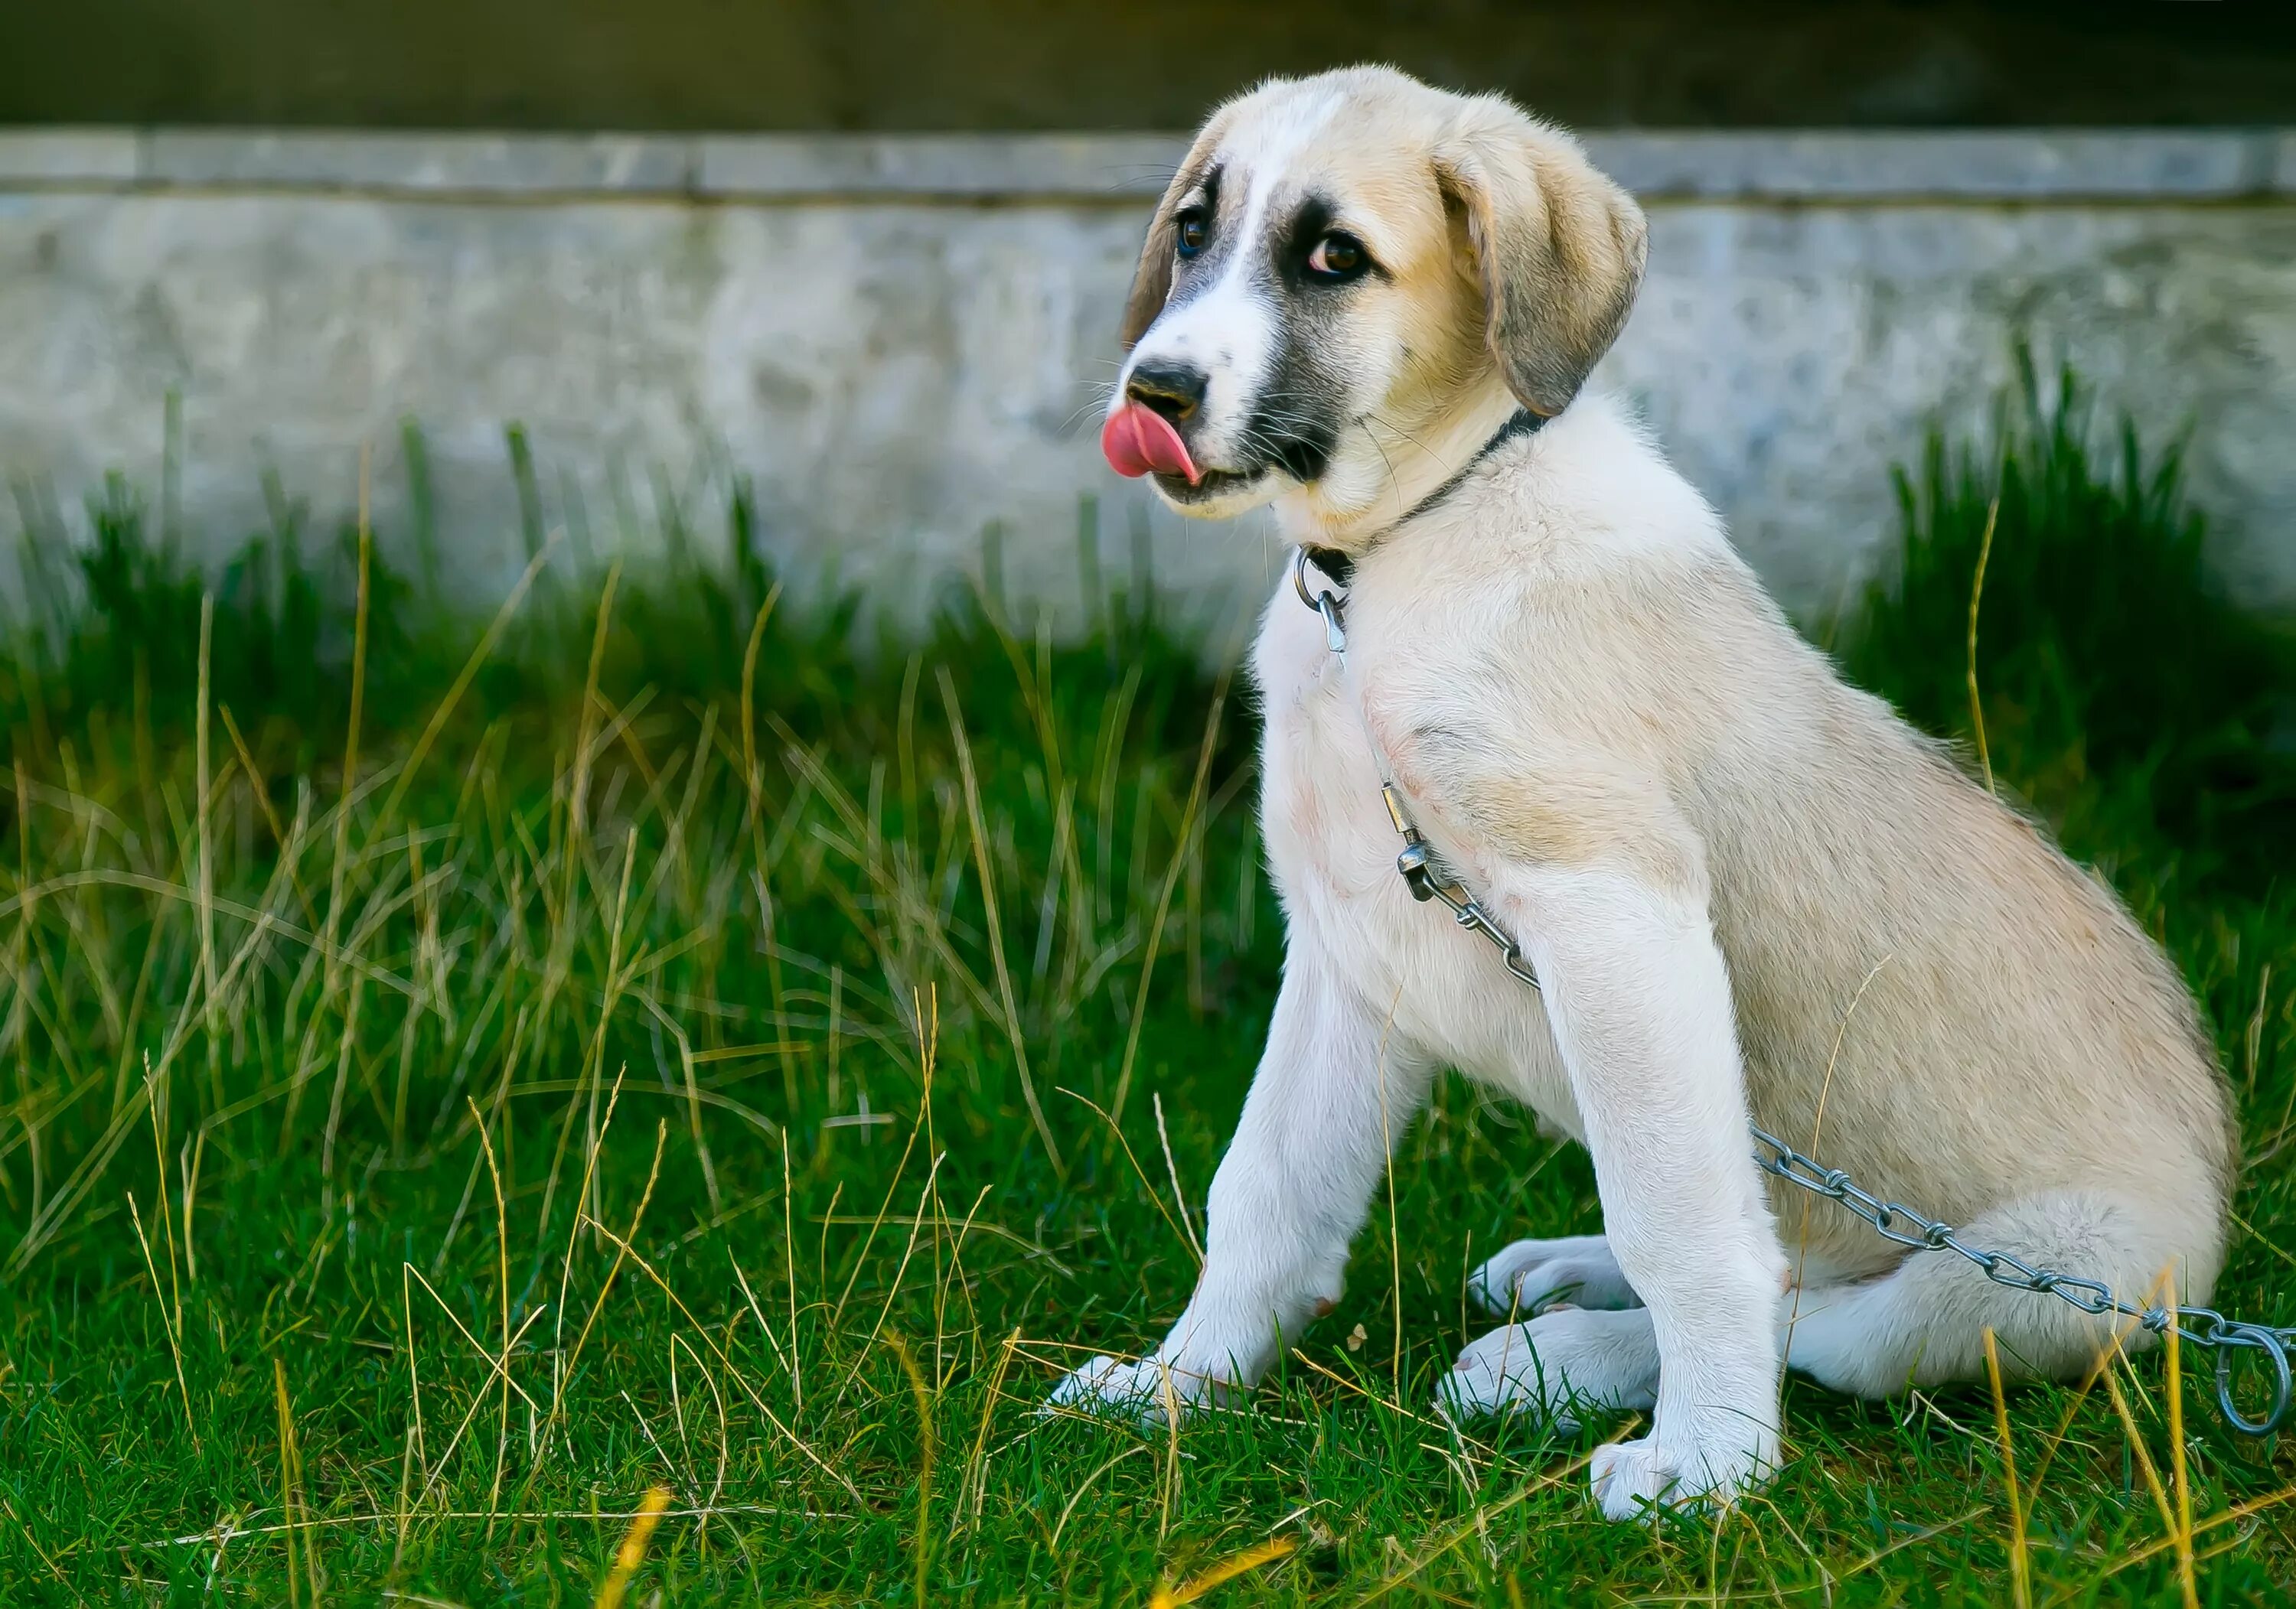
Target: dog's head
(1345,269)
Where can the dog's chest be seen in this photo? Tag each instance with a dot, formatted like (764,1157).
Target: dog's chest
(1331,849)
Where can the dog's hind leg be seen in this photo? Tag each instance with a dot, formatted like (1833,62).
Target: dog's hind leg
(1924,1323)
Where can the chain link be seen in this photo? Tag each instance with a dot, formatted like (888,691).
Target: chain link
(2201,1327)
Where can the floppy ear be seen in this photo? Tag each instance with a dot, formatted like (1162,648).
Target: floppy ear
(1151,282)
(1559,247)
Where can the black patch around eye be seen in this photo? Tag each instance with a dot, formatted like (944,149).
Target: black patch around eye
(1192,225)
(1310,227)
(1311,223)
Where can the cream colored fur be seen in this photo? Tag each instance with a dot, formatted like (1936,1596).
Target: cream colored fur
(1749,889)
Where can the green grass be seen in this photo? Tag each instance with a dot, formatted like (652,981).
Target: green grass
(787,1052)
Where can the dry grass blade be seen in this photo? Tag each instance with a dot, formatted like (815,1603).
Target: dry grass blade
(726,1363)
(606,1287)
(974,1493)
(2142,1453)
(2021,1572)
(631,1553)
(1976,597)
(1242,1563)
(502,1287)
(928,1445)
(1069,1508)
(2173,1384)
(1182,850)
(1388,1403)
(995,922)
(206,850)
(290,1496)
(445,708)
(33,1542)
(1172,1173)
(1185,1237)
(169,1325)
(2176,1540)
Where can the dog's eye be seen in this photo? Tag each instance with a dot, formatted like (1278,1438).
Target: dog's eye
(1193,233)
(1338,257)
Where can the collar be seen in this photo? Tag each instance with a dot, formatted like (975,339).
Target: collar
(1342,567)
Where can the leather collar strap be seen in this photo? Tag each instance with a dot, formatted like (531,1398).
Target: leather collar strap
(1342,567)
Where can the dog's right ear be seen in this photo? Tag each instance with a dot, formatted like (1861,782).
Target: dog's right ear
(1151,282)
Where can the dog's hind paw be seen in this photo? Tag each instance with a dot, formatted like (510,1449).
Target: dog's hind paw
(1530,1276)
(1556,1369)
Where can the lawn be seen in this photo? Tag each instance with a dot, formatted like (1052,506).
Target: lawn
(638,1096)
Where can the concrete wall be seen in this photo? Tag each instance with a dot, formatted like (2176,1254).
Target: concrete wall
(901,339)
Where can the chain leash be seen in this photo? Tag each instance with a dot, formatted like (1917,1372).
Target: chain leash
(1429,879)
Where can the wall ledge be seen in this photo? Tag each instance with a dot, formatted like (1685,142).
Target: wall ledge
(1834,166)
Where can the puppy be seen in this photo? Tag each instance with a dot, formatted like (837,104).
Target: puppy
(1748,891)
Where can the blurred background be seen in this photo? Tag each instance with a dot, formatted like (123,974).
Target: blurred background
(867,256)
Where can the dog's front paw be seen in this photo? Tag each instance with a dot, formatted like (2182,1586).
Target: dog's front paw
(1530,1276)
(1711,1468)
(1556,1367)
(1145,1392)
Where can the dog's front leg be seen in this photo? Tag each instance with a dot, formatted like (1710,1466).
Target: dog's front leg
(1324,1110)
(1640,1003)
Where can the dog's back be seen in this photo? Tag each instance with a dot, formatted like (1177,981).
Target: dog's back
(1953,1006)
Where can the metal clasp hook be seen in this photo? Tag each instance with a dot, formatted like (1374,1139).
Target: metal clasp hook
(1326,604)
(2240,1337)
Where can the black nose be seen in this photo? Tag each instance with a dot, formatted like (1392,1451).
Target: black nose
(1173,390)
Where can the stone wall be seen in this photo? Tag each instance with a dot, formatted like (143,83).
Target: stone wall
(901,340)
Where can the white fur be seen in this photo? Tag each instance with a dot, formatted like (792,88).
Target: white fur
(1528,1277)
(1749,892)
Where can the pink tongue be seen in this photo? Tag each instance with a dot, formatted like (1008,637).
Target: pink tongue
(1137,440)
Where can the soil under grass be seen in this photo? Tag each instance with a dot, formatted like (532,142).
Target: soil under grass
(460,1085)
